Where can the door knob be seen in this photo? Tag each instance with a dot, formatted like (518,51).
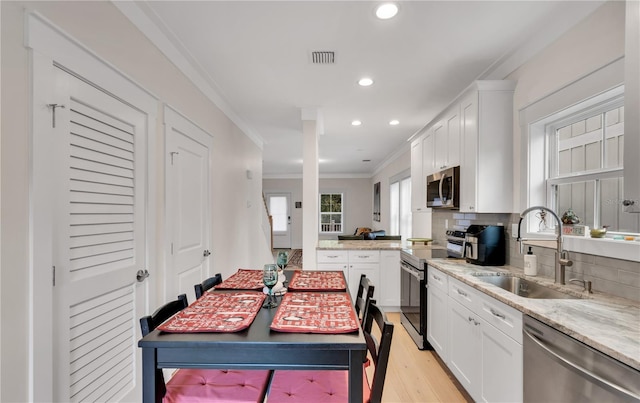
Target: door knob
(206,253)
(141,275)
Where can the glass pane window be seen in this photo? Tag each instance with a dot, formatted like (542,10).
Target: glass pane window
(400,206)
(331,212)
(585,167)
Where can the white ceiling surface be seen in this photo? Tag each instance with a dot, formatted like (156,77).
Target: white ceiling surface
(253,59)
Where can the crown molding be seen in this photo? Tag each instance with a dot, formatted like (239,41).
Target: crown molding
(160,36)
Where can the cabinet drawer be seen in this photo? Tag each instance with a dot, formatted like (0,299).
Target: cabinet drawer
(332,256)
(464,294)
(364,256)
(437,279)
(505,318)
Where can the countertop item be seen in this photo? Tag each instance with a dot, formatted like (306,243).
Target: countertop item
(608,324)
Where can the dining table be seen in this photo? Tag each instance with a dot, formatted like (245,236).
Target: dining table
(256,347)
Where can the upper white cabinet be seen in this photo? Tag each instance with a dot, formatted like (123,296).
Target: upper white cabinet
(418,195)
(422,165)
(486,168)
(447,140)
(428,157)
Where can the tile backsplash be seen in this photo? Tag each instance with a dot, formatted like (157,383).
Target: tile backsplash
(611,276)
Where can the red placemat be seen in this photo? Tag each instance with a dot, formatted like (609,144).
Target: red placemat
(315,312)
(216,312)
(308,280)
(243,279)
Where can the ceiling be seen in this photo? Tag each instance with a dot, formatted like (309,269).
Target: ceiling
(253,59)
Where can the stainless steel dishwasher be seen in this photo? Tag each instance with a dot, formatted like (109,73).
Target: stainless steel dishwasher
(558,368)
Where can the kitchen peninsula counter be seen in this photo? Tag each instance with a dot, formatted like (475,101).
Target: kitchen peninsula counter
(360,245)
(331,244)
(606,323)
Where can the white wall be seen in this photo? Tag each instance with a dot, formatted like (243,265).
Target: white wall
(358,204)
(237,237)
(591,44)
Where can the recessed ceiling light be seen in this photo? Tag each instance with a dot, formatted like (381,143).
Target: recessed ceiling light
(386,11)
(356,123)
(365,81)
(394,122)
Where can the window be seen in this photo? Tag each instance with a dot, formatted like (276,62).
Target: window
(586,166)
(400,206)
(331,212)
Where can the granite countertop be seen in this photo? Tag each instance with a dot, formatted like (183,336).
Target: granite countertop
(362,245)
(606,323)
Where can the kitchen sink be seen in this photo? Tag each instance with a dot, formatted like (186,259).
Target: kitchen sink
(525,288)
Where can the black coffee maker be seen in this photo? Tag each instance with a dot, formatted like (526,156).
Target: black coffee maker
(485,245)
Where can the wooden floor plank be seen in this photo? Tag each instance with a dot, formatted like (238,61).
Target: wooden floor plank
(414,375)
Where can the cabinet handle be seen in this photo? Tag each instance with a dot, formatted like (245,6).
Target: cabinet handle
(436,278)
(364,256)
(332,256)
(475,322)
(498,314)
(464,294)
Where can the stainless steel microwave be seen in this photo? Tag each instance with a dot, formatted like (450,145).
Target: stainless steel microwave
(443,189)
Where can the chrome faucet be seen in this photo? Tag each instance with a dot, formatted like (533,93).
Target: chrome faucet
(561,256)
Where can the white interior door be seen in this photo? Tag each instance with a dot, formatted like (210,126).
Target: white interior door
(188,204)
(99,243)
(280,210)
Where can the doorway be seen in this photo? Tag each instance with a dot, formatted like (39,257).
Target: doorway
(280,210)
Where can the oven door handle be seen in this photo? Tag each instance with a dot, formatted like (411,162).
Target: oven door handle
(406,268)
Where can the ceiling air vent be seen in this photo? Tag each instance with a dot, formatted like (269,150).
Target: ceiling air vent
(323,57)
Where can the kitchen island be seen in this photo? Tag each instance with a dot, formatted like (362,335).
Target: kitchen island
(379,260)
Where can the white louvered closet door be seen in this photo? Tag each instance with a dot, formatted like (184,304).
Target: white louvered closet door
(99,234)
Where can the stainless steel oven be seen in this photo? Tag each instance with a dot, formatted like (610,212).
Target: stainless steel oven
(413,292)
(413,301)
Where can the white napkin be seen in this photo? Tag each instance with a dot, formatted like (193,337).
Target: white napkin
(277,289)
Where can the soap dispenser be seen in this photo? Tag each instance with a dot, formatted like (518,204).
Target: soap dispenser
(530,264)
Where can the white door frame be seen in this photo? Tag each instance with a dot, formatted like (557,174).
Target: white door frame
(48,45)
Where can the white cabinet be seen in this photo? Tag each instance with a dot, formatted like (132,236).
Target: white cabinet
(365,262)
(333,260)
(438,312)
(418,183)
(465,354)
(486,168)
(501,366)
(482,344)
(447,140)
(389,285)
(382,267)
(428,157)
(422,165)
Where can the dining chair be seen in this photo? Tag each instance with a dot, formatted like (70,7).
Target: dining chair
(204,385)
(207,284)
(291,386)
(365,293)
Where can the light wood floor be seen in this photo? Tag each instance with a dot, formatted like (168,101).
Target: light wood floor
(414,375)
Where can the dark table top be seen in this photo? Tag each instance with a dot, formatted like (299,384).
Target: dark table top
(258,334)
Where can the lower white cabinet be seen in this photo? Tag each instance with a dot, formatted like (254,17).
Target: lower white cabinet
(438,313)
(382,267)
(389,280)
(465,354)
(479,339)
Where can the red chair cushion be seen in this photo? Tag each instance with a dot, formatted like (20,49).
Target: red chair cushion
(213,385)
(313,386)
